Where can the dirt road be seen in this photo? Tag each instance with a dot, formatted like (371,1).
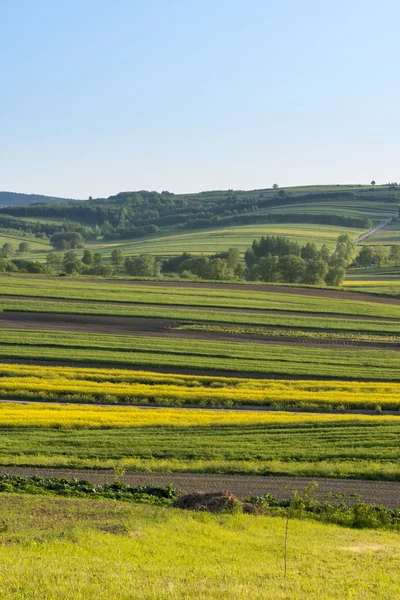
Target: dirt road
(385,493)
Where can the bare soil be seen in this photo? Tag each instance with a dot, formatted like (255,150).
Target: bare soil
(156,327)
(385,493)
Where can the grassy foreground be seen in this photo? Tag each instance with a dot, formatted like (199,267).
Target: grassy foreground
(55,548)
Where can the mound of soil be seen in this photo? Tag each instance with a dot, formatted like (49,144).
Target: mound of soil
(213,502)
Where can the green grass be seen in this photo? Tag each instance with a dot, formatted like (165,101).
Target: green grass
(209,355)
(340,449)
(83,549)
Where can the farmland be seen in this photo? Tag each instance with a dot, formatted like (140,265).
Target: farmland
(130,374)
(182,440)
(208,241)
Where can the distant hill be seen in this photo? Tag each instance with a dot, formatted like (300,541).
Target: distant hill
(15,199)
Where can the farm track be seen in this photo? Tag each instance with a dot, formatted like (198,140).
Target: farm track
(385,493)
(166,328)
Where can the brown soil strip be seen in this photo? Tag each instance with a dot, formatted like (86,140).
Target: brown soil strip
(167,328)
(385,493)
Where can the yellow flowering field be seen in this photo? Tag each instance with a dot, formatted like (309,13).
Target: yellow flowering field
(104,386)
(56,415)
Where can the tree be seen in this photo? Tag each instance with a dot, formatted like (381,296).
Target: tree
(309,251)
(324,253)
(394,253)
(233,258)
(275,186)
(117,258)
(142,266)
(373,182)
(316,271)
(268,268)
(292,268)
(87,258)
(54,261)
(335,276)
(24,247)
(7,250)
(346,249)
(365,257)
(380,255)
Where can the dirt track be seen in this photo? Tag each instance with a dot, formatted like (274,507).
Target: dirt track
(385,493)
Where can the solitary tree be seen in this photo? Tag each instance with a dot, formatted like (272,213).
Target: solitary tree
(24,247)
(394,253)
(275,186)
(373,182)
(7,250)
(117,258)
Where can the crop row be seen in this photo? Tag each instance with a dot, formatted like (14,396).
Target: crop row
(343,448)
(157,352)
(212,297)
(266,318)
(294,333)
(67,387)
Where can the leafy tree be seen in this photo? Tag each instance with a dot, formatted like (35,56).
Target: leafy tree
(117,258)
(233,258)
(309,251)
(335,276)
(365,257)
(292,268)
(54,261)
(373,182)
(324,253)
(380,255)
(142,266)
(24,247)
(346,249)
(275,186)
(7,250)
(316,271)
(268,268)
(394,253)
(87,258)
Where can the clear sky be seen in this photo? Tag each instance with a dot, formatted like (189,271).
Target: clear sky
(102,96)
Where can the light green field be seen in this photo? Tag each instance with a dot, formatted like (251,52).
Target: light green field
(38,251)
(63,548)
(220,239)
(387,236)
(347,208)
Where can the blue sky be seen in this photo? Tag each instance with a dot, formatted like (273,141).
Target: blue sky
(100,96)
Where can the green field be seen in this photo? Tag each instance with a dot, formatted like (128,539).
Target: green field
(221,238)
(351,448)
(209,355)
(193,296)
(387,236)
(87,549)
